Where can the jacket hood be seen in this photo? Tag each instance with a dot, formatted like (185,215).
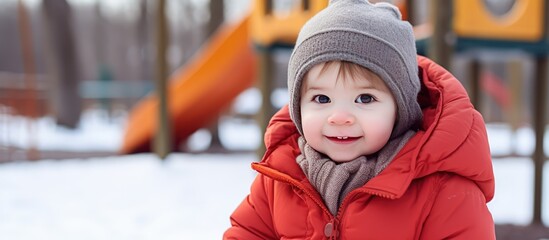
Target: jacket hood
(452,139)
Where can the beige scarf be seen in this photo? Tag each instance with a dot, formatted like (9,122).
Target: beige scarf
(334,181)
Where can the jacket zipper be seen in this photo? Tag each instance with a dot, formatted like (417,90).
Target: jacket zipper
(334,220)
(344,204)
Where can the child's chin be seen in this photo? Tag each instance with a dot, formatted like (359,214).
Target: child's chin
(343,158)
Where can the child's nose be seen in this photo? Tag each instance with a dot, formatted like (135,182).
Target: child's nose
(341,117)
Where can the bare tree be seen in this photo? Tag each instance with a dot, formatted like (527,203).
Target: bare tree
(10,52)
(143,41)
(217,16)
(61,62)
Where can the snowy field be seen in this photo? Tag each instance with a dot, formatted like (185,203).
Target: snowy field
(130,197)
(184,197)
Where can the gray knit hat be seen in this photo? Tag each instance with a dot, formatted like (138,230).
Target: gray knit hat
(370,35)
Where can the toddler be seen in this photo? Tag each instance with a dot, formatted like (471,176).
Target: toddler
(375,143)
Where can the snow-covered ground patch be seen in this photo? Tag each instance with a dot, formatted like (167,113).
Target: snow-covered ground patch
(184,197)
(127,197)
(96,131)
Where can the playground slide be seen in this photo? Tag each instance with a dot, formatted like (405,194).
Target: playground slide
(197,91)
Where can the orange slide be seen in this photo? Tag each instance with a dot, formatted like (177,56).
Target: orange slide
(198,91)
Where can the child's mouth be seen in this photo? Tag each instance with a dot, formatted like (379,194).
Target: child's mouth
(343,139)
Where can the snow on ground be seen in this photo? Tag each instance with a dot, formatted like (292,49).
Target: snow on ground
(184,197)
(97,131)
(129,197)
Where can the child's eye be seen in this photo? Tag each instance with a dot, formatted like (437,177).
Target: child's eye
(365,98)
(321,99)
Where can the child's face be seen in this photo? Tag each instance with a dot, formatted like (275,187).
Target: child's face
(346,115)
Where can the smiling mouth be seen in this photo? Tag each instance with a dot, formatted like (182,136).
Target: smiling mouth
(343,139)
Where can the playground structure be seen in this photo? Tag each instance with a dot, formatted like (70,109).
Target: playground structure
(199,91)
(518,29)
(231,62)
(525,21)
(228,65)
(524,28)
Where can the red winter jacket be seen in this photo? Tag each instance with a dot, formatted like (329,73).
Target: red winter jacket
(436,187)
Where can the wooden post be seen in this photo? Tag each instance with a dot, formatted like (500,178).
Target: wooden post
(265,86)
(540,111)
(514,113)
(410,9)
(439,50)
(217,17)
(163,138)
(474,80)
(515,73)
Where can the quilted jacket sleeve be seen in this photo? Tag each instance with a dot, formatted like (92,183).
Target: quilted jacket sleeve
(252,218)
(459,212)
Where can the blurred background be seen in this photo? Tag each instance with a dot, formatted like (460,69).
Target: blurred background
(116,114)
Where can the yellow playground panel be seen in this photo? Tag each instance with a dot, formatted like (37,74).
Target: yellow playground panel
(270,27)
(524,22)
